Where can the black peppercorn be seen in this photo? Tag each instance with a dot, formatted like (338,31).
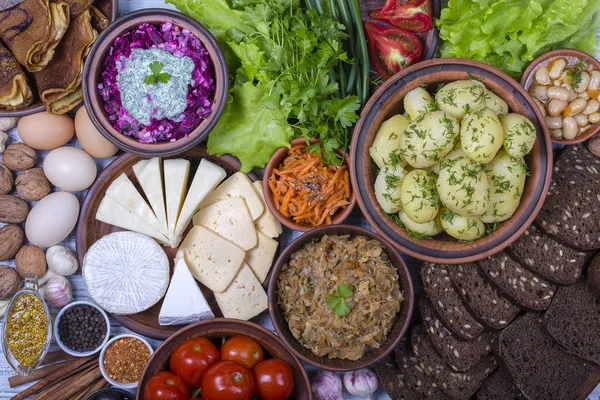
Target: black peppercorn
(82,328)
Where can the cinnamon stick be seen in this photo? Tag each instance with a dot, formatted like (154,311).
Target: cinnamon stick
(67,390)
(56,356)
(99,384)
(51,391)
(39,373)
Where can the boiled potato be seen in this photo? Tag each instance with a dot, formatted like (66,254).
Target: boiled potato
(463,187)
(418,102)
(519,134)
(420,200)
(430,228)
(428,139)
(461,97)
(456,152)
(481,135)
(388,185)
(384,149)
(495,103)
(459,227)
(506,178)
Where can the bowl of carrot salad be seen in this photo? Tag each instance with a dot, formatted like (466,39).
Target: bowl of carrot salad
(303,191)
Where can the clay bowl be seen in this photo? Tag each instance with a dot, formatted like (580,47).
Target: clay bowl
(94,67)
(398,330)
(388,101)
(216,330)
(572,56)
(274,162)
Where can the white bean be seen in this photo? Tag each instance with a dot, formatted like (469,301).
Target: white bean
(566,86)
(591,107)
(570,128)
(557,67)
(559,93)
(594,80)
(541,106)
(594,118)
(539,92)
(582,120)
(583,95)
(583,83)
(572,95)
(575,107)
(541,76)
(556,107)
(554,122)
(556,133)
(562,76)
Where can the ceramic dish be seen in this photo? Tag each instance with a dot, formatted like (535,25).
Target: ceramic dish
(388,101)
(103,352)
(73,352)
(399,326)
(118,394)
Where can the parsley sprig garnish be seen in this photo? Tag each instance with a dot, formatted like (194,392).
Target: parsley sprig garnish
(156,68)
(338,303)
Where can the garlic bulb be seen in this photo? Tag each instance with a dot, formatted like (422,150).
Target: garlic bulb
(7,123)
(58,292)
(61,260)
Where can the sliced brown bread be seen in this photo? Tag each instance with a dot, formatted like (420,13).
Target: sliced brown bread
(547,257)
(593,277)
(393,380)
(460,355)
(447,302)
(573,320)
(571,211)
(499,386)
(522,286)
(457,385)
(538,365)
(489,306)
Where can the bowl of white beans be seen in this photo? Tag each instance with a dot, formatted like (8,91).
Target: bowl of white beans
(565,85)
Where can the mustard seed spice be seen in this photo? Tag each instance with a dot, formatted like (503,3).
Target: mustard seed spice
(27,329)
(125,359)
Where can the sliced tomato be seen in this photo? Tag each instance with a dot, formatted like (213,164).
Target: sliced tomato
(391,4)
(392,49)
(414,15)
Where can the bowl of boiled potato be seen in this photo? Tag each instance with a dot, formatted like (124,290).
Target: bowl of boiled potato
(451,160)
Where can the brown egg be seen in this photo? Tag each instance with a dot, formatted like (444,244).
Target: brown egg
(45,131)
(91,140)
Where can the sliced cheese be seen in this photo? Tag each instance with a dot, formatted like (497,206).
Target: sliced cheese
(266,223)
(177,172)
(206,179)
(231,219)
(245,298)
(149,175)
(237,185)
(213,260)
(113,213)
(124,192)
(260,258)
(184,302)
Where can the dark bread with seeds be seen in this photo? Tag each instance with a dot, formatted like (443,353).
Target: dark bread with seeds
(447,302)
(499,386)
(538,365)
(392,378)
(460,355)
(593,277)
(571,211)
(522,286)
(457,385)
(489,306)
(573,320)
(547,257)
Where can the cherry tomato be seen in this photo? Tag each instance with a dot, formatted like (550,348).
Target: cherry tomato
(274,379)
(166,386)
(228,380)
(243,350)
(192,358)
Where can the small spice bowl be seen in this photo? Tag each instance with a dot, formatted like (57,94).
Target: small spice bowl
(103,356)
(60,342)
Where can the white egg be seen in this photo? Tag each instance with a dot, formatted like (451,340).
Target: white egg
(52,219)
(70,169)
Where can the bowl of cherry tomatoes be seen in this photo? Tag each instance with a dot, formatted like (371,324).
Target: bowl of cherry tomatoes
(223,359)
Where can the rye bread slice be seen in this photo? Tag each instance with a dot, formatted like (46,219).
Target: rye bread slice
(538,365)
(547,257)
(593,277)
(571,211)
(392,379)
(522,286)
(489,306)
(460,355)
(457,385)
(447,302)
(499,386)
(573,320)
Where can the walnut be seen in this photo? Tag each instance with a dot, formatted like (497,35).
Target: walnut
(19,157)
(11,241)
(13,210)
(32,184)
(31,260)
(6,180)
(10,282)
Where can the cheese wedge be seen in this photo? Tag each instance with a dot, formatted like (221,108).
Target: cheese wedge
(245,298)
(260,258)
(237,185)
(113,213)
(184,302)
(206,179)
(177,172)
(150,177)
(124,192)
(266,223)
(231,219)
(213,260)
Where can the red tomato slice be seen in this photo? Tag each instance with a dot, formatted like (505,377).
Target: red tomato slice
(414,16)
(166,386)
(391,4)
